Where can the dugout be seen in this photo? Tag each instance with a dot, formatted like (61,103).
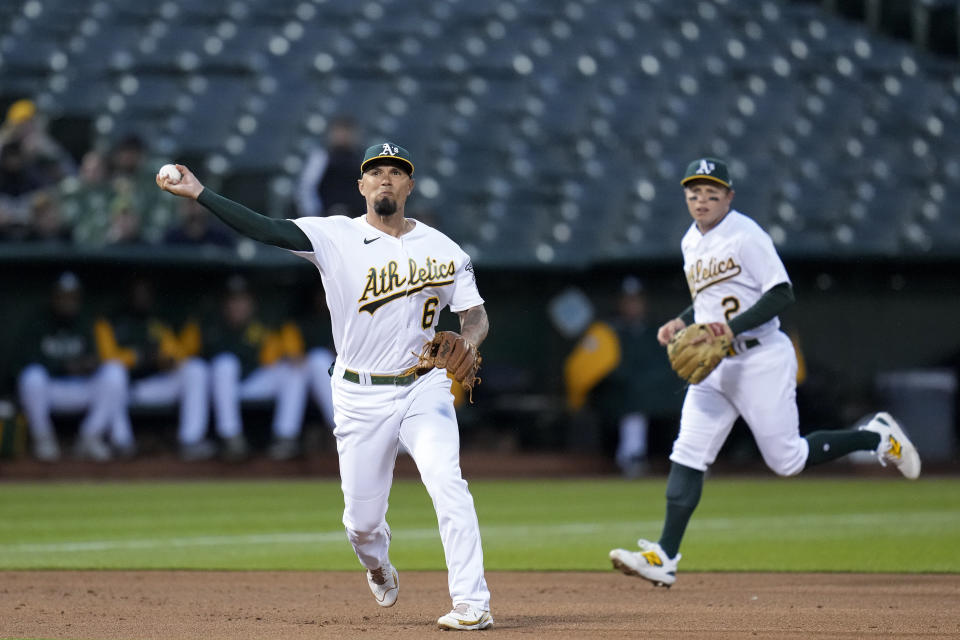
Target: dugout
(855,320)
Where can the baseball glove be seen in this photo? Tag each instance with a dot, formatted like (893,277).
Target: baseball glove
(697,350)
(448,350)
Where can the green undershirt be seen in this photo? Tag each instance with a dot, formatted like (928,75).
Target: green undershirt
(766,308)
(280,233)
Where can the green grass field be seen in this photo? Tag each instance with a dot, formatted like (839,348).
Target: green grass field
(764,524)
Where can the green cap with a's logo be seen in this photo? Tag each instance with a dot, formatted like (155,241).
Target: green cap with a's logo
(708,169)
(387,153)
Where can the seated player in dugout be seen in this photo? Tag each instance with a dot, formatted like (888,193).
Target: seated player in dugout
(305,338)
(164,368)
(63,373)
(739,285)
(618,367)
(387,278)
(249,362)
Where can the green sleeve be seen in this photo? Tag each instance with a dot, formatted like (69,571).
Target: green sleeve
(687,315)
(767,307)
(280,233)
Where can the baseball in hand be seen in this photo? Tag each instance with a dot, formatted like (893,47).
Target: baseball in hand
(170,172)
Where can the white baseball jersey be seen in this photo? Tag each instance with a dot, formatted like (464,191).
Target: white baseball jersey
(385,293)
(729,268)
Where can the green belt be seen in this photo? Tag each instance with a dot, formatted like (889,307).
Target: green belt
(402,380)
(749,343)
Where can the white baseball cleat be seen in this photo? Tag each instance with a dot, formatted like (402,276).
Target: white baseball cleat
(384,584)
(894,446)
(465,617)
(91,448)
(650,563)
(46,449)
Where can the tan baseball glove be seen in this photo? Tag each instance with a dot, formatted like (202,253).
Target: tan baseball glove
(448,350)
(697,350)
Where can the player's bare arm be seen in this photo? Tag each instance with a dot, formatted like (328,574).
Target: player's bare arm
(279,233)
(474,325)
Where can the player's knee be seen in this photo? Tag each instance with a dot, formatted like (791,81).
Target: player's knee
(363,524)
(785,457)
(195,372)
(33,379)
(786,466)
(112,377)
(225,364)
(293,374)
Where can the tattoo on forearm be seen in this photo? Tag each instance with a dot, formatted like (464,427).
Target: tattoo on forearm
(474,324)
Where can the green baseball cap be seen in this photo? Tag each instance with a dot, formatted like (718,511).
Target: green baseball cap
(708,169)
(386,152)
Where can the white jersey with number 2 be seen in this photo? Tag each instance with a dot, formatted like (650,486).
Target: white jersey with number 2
(385,293)
(729,268)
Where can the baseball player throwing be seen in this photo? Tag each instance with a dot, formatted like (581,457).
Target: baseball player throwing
(387,277)
(739,286)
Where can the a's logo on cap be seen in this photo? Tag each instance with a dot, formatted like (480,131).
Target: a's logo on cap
(705,167)
(389,150)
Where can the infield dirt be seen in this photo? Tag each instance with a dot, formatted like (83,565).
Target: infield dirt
(168,605)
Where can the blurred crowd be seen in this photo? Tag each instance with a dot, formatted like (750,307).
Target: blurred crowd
(109,196)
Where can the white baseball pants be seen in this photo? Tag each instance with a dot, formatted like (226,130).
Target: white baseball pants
(371,422)
(283,382)
(188,385)
(102,394)
(759,384)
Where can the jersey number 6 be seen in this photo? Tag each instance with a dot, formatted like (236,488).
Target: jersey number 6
(429,312)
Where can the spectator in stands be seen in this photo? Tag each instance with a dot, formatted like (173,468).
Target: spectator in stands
(64,374)
(124,225)
(621,365)
(45,157)
(85,199)
(46,219)
(17,176)
(164,368)
(116,199)
(197,227)
(247,363)
(328,183)
(18,182)
(139,213)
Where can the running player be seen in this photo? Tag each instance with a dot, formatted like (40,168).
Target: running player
(386,278)
(736,278)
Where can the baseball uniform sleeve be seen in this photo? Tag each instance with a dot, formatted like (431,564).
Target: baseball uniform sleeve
(322,234)
(465,292)
(766,268)
(280,233)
